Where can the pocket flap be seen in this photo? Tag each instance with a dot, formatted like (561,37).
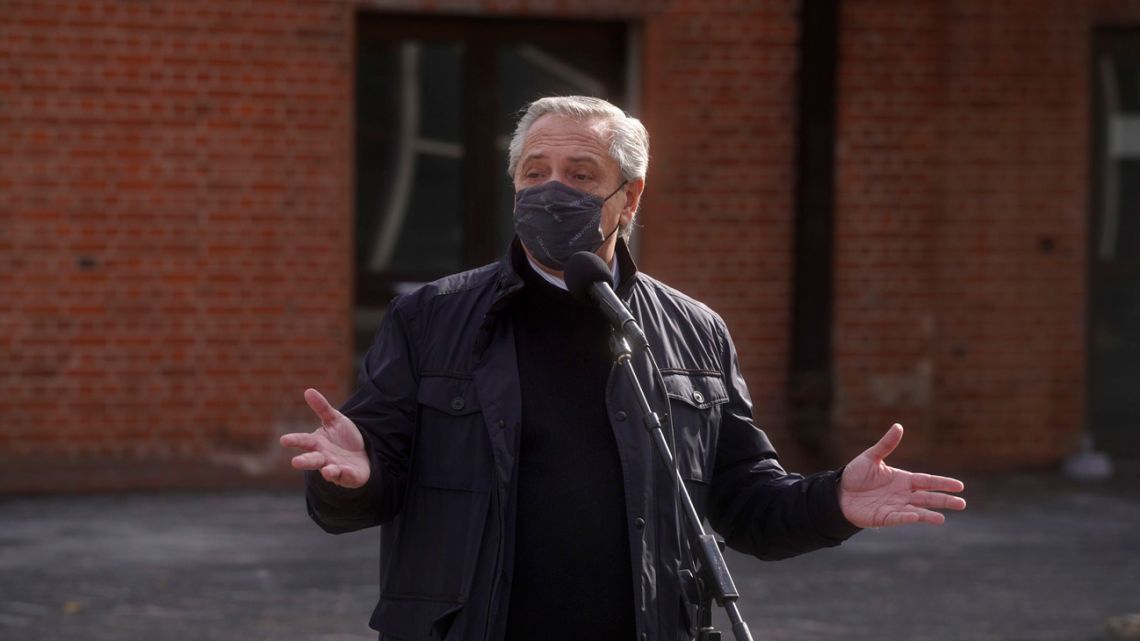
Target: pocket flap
(449,394)
(701,389)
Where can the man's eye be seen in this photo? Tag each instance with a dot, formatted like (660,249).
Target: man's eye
(582,177)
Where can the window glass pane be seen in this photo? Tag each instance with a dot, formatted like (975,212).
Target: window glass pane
(377,119)
(410,159)
(1118,221)
(1114,305)
(1128,232)
(1127,72)
(431,236)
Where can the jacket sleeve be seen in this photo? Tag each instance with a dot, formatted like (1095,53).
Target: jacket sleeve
(383,408)
(758,507)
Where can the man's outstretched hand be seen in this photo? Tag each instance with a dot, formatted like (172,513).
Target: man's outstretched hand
(873,494)
(335,448)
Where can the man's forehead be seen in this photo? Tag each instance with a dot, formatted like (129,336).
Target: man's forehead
(554,132)
(540,154)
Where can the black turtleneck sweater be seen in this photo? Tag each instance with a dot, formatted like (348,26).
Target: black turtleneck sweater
(572,574)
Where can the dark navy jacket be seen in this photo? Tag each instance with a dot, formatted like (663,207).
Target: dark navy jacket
(439,408)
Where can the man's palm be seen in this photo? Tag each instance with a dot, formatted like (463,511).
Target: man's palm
(335,448)
(873,494)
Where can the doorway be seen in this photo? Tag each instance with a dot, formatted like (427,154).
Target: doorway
(1114,246)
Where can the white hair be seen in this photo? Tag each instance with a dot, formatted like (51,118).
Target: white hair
(629,142)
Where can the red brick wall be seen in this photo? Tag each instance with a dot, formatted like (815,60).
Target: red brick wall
(961,224)
(175,186)
(175,189)
(888,194)
(176,220)
(720,90)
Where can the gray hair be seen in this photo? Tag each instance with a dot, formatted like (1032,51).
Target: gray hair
(629,142)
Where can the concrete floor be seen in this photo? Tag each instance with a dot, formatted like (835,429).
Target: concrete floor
(1034,558)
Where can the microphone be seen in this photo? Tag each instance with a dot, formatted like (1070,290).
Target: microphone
(588,279)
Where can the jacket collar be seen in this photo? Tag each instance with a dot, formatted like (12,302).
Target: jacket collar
(511,266)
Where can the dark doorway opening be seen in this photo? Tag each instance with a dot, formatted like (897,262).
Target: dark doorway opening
(1114,246)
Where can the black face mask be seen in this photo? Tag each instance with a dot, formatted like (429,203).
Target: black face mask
(556,221)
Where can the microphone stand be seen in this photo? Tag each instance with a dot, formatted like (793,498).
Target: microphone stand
(714,580)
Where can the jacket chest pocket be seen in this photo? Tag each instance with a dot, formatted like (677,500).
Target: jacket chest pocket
(452,449)
(695,400)
(428,554)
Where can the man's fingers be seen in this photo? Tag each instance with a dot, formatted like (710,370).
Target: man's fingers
(900,518)
(299,441)
(929,516)
(912,515)
(887,444)
(319,404)
(937,501)
(344,476)
(936,483)
(331,473)
(309,461)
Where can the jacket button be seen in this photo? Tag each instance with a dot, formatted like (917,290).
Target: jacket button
(698,397)
(500,423)
(639,523)
(457,403)
(620,415)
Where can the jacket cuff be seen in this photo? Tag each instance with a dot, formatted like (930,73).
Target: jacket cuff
(827,516)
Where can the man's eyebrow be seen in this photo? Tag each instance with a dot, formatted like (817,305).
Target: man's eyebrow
(589,159)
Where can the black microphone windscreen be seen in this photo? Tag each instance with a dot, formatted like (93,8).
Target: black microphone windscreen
(584,269)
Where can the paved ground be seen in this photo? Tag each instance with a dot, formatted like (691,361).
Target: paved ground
(1033,559)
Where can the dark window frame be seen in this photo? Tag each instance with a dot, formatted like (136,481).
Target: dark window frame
(480,38)
(1104,40)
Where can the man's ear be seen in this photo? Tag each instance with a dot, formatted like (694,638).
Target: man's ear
(633,193)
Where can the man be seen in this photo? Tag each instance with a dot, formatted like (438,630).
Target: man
(519,493)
